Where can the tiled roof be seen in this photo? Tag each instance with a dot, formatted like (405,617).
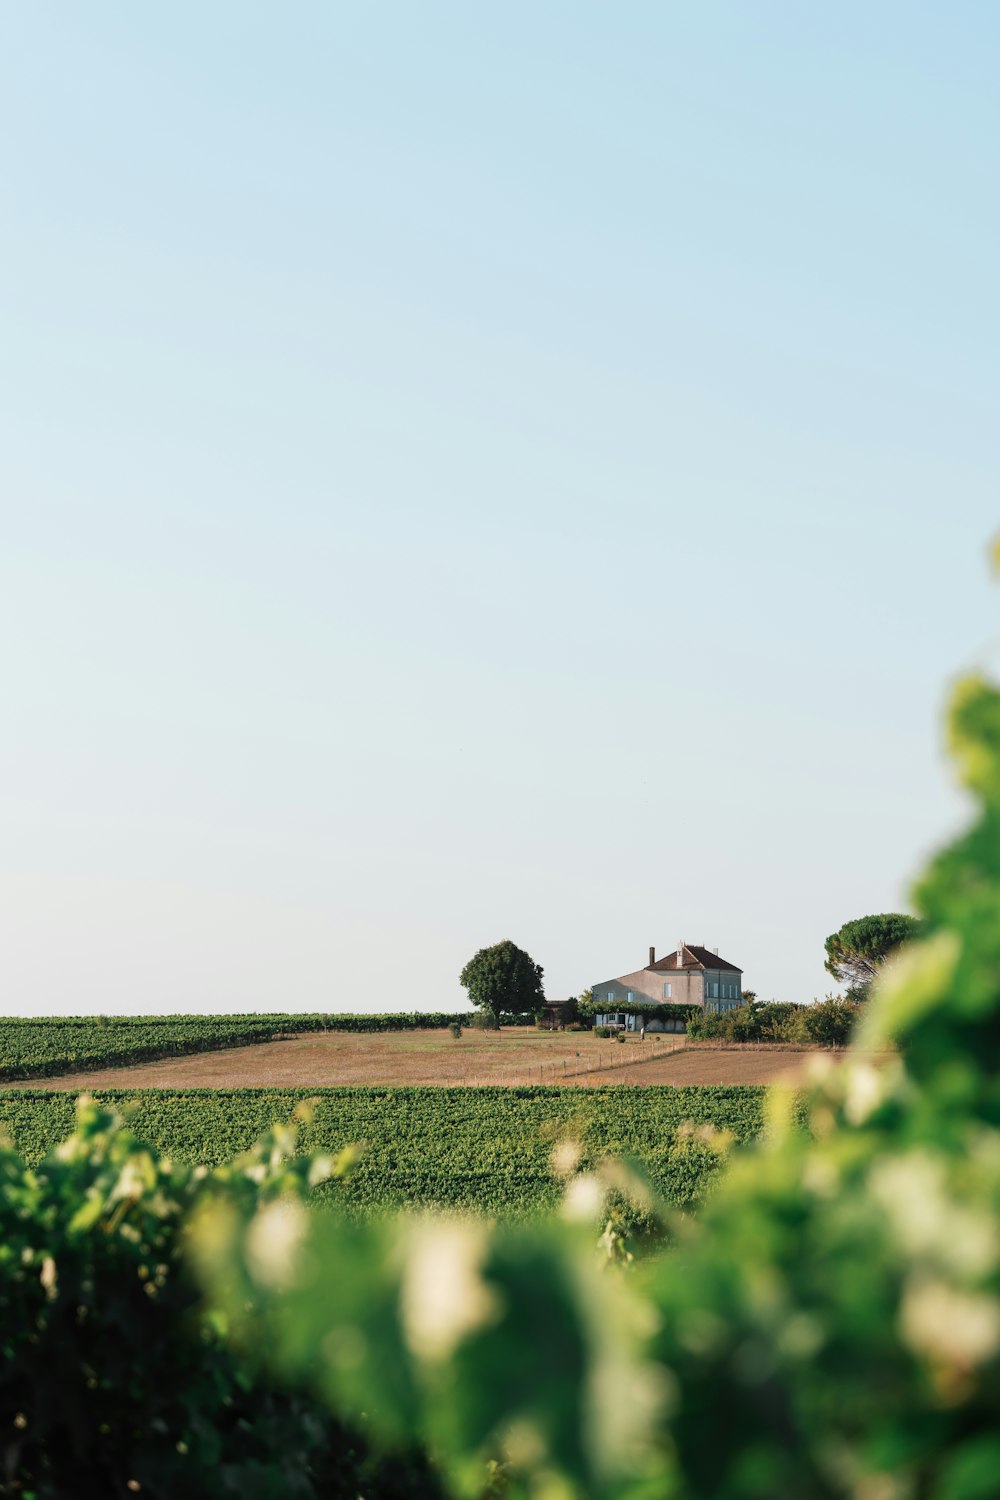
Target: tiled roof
(694,958)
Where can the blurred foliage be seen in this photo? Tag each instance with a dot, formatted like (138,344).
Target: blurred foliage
(828,1326)
(112,1380)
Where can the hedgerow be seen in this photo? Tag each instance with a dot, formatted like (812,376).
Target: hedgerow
(825,1023)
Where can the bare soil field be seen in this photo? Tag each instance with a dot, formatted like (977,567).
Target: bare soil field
(516,1055)
(703,1064)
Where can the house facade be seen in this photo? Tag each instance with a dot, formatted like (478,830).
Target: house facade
(690,975)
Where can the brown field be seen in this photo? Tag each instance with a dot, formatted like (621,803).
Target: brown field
(516,1055)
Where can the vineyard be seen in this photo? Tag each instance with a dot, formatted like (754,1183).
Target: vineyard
(45,1048)
(484,1150)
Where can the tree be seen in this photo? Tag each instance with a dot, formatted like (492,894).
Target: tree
(858,950)
(503,979)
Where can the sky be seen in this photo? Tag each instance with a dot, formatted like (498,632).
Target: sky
(482,472)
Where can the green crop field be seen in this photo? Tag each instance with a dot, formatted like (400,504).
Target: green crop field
(485,1150)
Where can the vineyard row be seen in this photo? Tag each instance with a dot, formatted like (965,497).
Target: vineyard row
(484,1150)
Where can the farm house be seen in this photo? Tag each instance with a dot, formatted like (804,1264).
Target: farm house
(690,977)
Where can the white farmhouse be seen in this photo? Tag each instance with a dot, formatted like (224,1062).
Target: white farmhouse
(690,975)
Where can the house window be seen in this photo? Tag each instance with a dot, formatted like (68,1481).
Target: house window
(631,997)
(715,989)
(611,994)
(666,992)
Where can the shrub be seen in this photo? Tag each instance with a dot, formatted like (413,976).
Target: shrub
(455,1029)
(750,1021)
(831,1021)
(602,1031)
(620,1036)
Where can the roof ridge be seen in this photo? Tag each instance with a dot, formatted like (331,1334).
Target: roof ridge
(696,955)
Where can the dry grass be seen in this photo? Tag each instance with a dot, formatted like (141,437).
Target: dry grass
(516,1055)
(688,1066)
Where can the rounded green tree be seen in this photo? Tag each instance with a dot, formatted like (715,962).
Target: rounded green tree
(503,979)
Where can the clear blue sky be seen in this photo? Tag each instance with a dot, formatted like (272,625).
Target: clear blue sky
(482,471)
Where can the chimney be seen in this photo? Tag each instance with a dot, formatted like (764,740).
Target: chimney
(716,952)
(652,957)
(680,953)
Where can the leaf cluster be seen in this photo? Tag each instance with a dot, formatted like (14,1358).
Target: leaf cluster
(113,1379)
